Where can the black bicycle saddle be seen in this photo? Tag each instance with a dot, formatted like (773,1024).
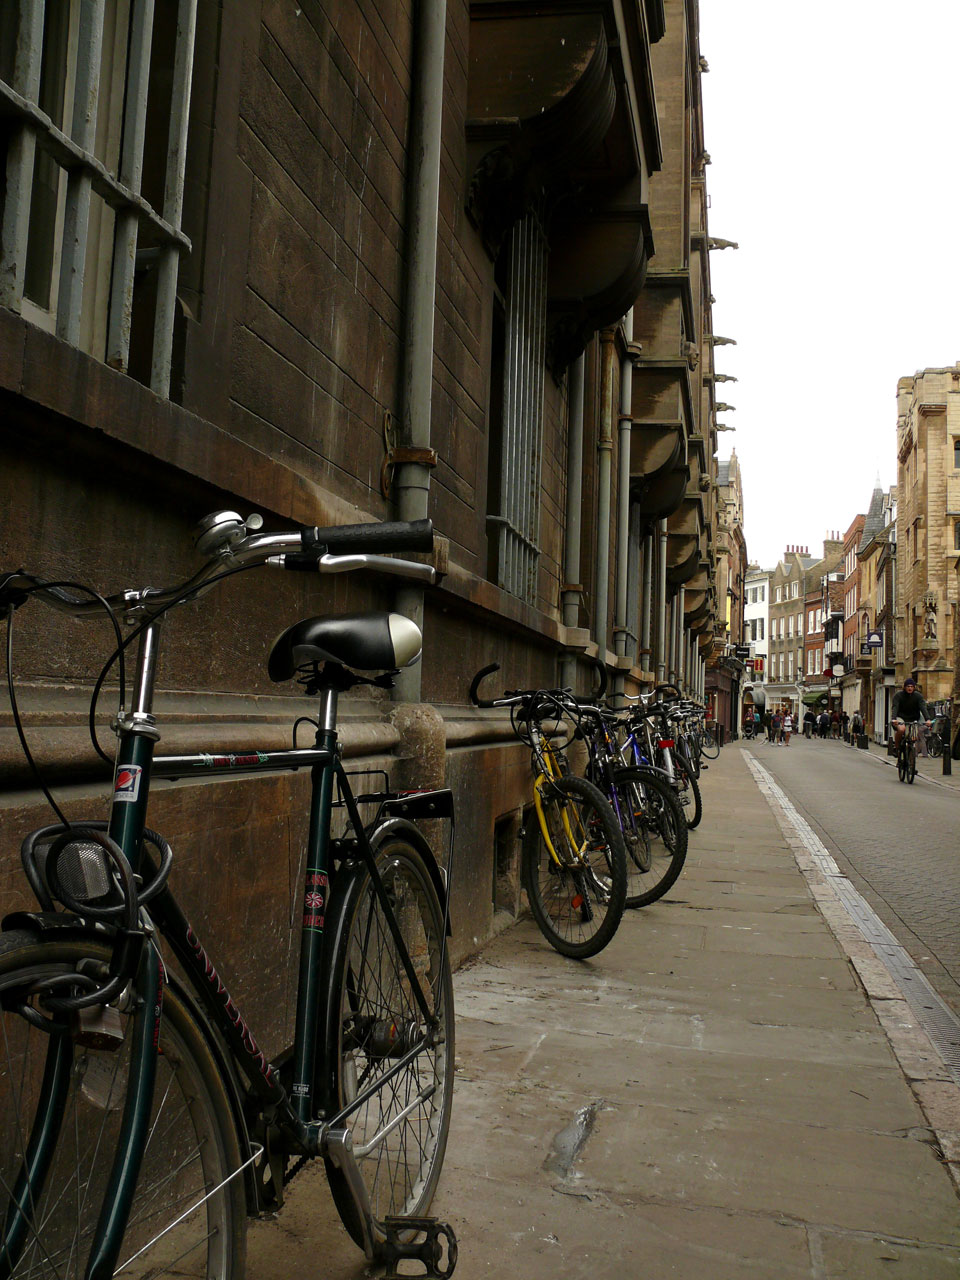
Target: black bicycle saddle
(363,641)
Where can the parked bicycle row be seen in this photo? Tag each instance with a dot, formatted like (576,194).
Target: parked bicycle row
(614,795)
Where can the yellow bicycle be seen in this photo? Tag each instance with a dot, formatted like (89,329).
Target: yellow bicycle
(575,875)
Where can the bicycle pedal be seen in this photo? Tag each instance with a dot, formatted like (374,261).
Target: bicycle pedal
(704,767)
(434,1246)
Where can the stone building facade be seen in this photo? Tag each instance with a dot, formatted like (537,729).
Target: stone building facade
(927,527)
(874,667)
(363,256)
(756,627)
(726,671)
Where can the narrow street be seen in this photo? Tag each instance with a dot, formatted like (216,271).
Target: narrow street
(897,843)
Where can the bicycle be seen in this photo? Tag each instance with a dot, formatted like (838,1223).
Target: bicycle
(710,740)
(142,1123)
(648,811)
(907,752)
(575,875)
(935,740)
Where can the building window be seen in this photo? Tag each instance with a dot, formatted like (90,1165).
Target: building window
(956,451)
(778,594)
(516,412)
(794,589)
(96,108)
(956,535)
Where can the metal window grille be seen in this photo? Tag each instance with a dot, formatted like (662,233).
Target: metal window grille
(69,152)
(518,519)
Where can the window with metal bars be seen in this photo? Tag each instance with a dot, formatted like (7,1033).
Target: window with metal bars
(94,107)
(516,411)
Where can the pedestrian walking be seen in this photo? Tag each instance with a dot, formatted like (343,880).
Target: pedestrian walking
(787,728)
(809,724)
(775,728)
(856,727)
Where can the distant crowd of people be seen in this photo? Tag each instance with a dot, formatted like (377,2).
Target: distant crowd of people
(780,724)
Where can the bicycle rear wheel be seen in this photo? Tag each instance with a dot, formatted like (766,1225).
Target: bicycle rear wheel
(48,1221)
(689,789)
(648,802)
(710,744)
(935,745)
(577,898)
(373,1018)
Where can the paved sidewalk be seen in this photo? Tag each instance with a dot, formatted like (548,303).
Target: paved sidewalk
(713,1097)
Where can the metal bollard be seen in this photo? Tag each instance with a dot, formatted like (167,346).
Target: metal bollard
(945,735)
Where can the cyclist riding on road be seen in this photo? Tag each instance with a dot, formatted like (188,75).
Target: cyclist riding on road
(908,707)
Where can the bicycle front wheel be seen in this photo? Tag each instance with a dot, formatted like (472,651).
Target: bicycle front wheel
(649,803)
(374,1018)
(577,889)
(186,1218)
(935,746)
(911,763)
(710,744)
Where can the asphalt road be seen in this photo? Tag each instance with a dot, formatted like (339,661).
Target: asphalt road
(898,844)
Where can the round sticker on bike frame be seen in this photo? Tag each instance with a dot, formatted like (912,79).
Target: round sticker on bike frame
(127,785)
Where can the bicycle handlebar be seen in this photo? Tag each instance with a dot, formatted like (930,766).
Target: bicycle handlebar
(475,685)
(230,542)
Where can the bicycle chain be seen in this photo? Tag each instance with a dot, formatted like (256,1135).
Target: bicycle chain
(290,1173)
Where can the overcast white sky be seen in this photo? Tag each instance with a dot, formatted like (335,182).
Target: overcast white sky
(832,128)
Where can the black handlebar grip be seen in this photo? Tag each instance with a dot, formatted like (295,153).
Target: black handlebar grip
(360,539)
(475,684)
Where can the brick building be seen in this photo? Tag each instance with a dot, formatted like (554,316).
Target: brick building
(785,660)
(850,681)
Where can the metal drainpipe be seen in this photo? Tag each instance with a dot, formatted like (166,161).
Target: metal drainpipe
(608,359)
(412,479)
(646,607)
(662,602)
(571,549)
(621,621)
(680,653)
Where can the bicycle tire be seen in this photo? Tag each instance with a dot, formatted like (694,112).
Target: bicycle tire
(709,745)
(693,754)
(579,902)
(662,815)
(935,746)
(687,781)
(902,764)
(371,1019)
(911,763)
(192,1144)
